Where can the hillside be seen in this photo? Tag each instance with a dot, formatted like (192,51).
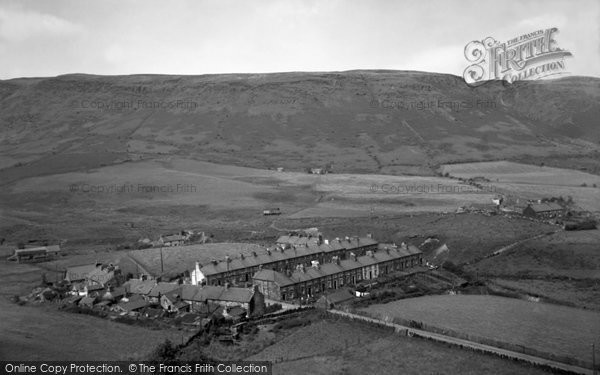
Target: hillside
(355,121)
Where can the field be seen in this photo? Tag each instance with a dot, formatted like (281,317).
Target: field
(177,260)
(534,182)
(563,255)
(558,330)
(44,333)
(509,172)
(128,201)
(341,347)
(581,293)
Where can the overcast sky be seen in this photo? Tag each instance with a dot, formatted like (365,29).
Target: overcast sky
(48,38)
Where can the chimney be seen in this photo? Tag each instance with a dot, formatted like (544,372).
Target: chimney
(320,239)
(387,249)
(254,254)
(197,267)
(370,235)
(214,261)
(403,245)
(242,256)
(227,259)
(335,259)
(347,238)
(227,285)
(269,251)
(353,256)
(370,253)
(326,242)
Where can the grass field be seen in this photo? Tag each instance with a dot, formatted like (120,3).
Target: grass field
(127,201)
(547,328)
(571,255)
(534,182)
(42,332)
(509,172)
(580,293)
(341,347)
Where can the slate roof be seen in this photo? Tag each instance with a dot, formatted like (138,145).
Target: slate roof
(162,288)
(328,269)
(270,275)
(279,253)
(197,293)
(77,273)
(133,304)
(546,207)
(101,275)
(339,296)
(137,286)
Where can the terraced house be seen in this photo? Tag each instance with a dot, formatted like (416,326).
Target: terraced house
(290,252)
(310,281)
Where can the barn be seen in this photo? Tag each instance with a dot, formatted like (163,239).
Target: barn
(543,210)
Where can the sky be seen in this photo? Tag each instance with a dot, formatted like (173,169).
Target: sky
(49,38)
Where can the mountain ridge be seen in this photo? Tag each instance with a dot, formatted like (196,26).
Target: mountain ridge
(381,121)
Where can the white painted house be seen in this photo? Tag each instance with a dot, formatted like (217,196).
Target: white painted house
(197,276)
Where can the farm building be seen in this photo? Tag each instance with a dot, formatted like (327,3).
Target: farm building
(176,239)
(283,257)
(35,254)
(272,211)
(309,281)
(95,277)
(543,210)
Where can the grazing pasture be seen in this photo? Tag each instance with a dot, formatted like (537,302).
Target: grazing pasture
(533,182)
(552,329)
(343,347)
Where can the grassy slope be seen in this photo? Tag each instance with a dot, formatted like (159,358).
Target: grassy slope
(43,333)
(552,329)
(360,121)
(351,348)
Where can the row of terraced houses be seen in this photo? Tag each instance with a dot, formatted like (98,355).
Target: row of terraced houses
(305,266)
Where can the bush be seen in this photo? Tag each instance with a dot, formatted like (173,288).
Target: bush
(164,352)
(292,323)
(273,308)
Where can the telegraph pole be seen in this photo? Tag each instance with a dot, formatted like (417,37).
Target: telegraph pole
(161,262)
(594,359)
